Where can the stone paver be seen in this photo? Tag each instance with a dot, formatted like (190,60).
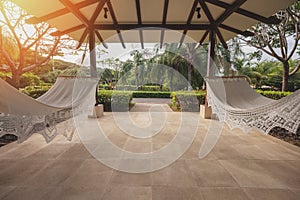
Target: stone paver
(240,166)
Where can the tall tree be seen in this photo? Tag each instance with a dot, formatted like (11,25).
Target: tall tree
(139,61)
(32,45)
(227,59)
(271,37)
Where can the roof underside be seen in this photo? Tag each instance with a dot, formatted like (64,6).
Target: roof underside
(152,21)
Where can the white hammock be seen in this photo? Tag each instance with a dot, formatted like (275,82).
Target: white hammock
(237,104)
(22,115)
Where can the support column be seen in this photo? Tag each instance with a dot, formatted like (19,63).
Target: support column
(211,53)
(206,111)
(1,35)
(98,110)
(92,44)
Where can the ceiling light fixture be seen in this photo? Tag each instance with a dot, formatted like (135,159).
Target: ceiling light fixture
(105,12)
(198,12)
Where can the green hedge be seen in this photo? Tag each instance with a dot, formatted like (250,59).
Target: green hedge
(115,100)
(104,87)
(35,91)
(273,94)
(154,88)
(141,88)
(184,101)
(150,94)
(181,101)
(187,101)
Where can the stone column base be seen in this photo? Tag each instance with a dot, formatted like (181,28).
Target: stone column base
(97,112)
(205,112)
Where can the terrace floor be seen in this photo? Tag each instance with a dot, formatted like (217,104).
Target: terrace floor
(240,166)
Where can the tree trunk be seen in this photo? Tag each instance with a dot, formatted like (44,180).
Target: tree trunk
(15,81)
(285,76)
(171,79)
(137,77)
(189,77)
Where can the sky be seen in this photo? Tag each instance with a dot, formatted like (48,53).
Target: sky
(115,50)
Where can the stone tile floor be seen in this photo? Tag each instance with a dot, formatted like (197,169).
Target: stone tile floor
(240,166)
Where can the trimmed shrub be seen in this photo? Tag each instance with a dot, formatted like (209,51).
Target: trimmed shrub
(115,100)
(153,88)
(104,87)
(28,79)
(143,88)
(273,94)
(187,101)
(150,94)
(35,91)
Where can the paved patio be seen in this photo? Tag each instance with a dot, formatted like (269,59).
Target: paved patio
(241,166)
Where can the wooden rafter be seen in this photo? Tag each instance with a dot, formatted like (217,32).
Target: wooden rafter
(67,31)
(113,16)
(229,10)
(207,12)
(82,38)
(97,11)
(237,31)
(203,37)
(88,23)
(101,39)
(221,38)
(164,21)
(188,22)
(213,23)
(58,13)
(152,26)
(270,20)
(69,5)
(139,17)
(135,26)
(94,18)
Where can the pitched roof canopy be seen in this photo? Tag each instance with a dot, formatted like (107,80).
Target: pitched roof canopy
(152,21)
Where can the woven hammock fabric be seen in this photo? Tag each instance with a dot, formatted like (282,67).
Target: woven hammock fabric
(236,103)
(22,115)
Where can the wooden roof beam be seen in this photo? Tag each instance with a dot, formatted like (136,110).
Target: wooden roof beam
(203,37)
(82,38)
(214,24)
(94,18)
(221,38)
(136,26)
(139,17)
(237,31)
(88,23)
(113,16)
(164,20)
(190,17)
(75,28)
(152,26)
(58,13)
(69,5)
(101,39)
(270,20)
(229,10)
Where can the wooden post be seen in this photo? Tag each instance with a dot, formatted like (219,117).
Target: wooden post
(1,35)
(92,44)
(93,62)
(211,53)
(206,111)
